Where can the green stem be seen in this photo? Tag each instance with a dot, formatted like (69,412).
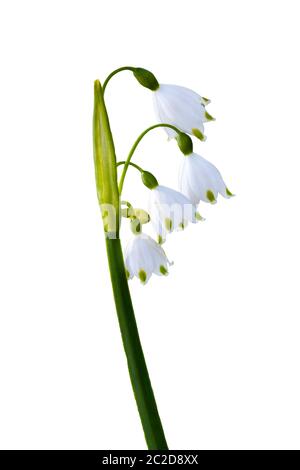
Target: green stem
(107,190)
(131,164)
(114,73)
(133,148)
(139,376)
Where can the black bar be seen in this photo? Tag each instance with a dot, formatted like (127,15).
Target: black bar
(138,458)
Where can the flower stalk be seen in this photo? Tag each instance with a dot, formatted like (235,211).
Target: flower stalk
(109,200)
(136,143)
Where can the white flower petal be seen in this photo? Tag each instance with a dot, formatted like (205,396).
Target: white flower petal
(143,257)
(170,210)
(180,107)
(201,180)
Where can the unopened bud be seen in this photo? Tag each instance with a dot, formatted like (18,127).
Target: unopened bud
(141,215)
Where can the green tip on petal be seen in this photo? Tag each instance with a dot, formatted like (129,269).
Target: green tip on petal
(160,240)
(197,133)
(182,226)
(142,276)
(205,100)
(199,216)
(163,270)
(229,193)
(127,274)
(210,196)
(135,226)
(168,224)
(209,117)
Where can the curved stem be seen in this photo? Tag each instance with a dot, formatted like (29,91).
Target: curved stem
(114,73)
(133,148)
(131,164)
(126,203)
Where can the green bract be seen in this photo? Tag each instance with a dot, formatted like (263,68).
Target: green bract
(105,165)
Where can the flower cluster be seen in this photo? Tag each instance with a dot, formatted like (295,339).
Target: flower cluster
(182,113)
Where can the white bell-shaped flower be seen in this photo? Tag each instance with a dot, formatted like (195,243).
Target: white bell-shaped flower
(200,180)
(170,210)
(183,108)
(143,257)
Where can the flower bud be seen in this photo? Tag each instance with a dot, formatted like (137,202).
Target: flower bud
(141,215)
(149,180)
(146,78)
(127,212)
(185,143)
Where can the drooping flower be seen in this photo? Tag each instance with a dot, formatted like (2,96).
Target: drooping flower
(169,209)
(200,180)
(143,257)
(183,108)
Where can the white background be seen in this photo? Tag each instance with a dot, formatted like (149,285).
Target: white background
(221,333)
